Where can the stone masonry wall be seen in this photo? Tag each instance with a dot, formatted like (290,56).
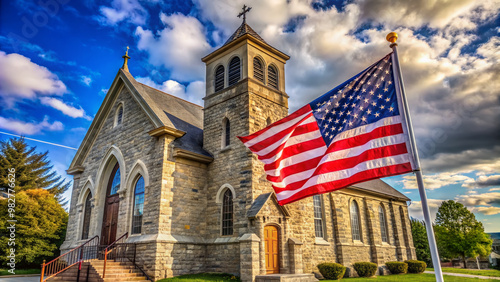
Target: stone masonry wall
(223,257)
(189,201)
(131,138)
(231,164)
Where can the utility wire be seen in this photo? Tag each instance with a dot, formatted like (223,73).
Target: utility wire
(36,140)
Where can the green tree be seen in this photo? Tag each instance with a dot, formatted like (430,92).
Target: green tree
(420,241)
(33,170)
(39,230)
(459,233)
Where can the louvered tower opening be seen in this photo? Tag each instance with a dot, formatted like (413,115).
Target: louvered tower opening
(234,71)
(258,70)
(272,77)
(219,78)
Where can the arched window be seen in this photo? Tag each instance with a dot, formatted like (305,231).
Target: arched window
(86,217)
(138,206)
(272,77)
(219,78)
(258,70)
(318,216)
(115,184)
(227,213)
(119,115)
(234,71)
(403,224)
(383,223)
(355,221)
(268,121)
(226,133)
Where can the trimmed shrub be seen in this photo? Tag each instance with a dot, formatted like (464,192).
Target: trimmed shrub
(365,269)
(331,270)
(416,266)
(397,267)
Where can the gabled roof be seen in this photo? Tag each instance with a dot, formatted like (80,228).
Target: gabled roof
(380,187)
(259,203)
(174,115)
(242,30)
(163,104)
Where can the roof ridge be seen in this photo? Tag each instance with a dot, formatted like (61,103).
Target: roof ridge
(168,94)
(243,29)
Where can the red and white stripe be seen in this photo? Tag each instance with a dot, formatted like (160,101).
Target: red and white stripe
(299,164)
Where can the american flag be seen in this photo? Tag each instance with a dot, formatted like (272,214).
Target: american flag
(351,134)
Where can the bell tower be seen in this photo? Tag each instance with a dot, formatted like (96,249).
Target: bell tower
(245,91)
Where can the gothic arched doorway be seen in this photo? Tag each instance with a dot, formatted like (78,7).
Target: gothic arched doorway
(110,218)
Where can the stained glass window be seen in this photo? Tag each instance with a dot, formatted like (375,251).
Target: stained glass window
(227,213)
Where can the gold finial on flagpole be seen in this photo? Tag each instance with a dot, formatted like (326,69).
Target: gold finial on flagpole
(392,37)
(125,60)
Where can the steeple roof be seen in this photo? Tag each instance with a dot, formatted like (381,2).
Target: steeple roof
(242,30)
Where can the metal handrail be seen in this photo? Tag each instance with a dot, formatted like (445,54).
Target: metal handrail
(68,259)
(107,250)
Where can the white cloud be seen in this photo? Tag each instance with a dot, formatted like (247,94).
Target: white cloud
(22,79)
(416,211)
(193,92)
(178,47)
(487,210)
(484,199)
(435,181)
(484,181)
(29,128)
(103,92)
(494,189)
(486,203)
(64,108)
(417,13)
(123,10)
(87,80)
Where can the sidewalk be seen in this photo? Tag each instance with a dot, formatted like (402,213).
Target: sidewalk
(21,278)
(466,275)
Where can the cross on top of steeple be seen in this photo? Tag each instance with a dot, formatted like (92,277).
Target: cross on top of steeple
(244,12)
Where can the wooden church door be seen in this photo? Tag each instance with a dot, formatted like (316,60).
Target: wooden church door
(271,242)
(110,218)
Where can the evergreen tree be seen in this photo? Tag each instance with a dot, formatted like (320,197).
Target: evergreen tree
(32,169)
(459,233)
(419,234)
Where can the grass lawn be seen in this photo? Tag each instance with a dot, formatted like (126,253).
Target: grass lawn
(203,277)
(424,277)
(485,272)
(406,277)
(4,271)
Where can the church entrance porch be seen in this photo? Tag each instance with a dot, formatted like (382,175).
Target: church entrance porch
(271,242)
(110,218)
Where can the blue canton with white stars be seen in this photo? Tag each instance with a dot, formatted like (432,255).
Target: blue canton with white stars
(363,99)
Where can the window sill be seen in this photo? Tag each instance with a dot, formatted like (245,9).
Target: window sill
(225,149)
(321,241)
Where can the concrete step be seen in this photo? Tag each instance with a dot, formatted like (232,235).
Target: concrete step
(115,271)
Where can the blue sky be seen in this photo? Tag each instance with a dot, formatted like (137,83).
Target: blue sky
(59,57)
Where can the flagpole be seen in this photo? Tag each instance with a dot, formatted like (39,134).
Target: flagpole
(400,90)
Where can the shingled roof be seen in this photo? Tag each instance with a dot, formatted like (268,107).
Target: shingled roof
(242,30)
(380,187)
(176,113)
(163,104)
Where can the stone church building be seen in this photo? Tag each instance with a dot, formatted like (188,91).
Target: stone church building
(194,199)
